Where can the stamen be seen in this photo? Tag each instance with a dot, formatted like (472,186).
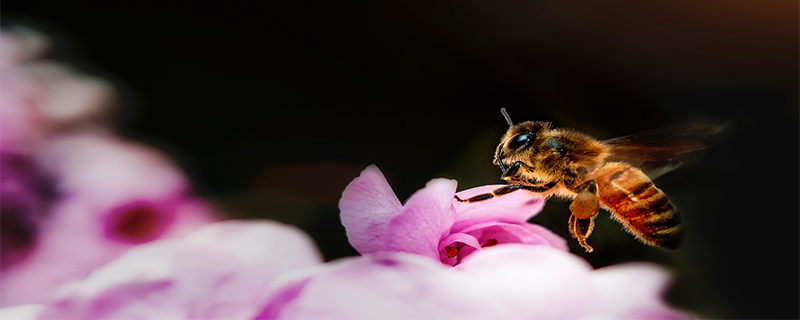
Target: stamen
(451,252)
(489,243)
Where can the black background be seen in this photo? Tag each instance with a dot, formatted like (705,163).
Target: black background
(273,108)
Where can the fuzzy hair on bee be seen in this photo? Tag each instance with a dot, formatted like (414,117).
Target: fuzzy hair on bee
(610,174)
(550,154)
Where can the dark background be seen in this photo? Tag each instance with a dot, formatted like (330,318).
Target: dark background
(272,109)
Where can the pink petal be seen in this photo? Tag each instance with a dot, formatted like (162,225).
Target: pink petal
(114,195)
(109,169)
(536,282)
(515,207)
(21,208)
(384,286)
(468,244)
(218,272)
(21,44)
(503,282)
(367,206)
(634,291)
(515,233)
(22,312)
(543,283)
(459,237)
(552,238)
(426,218)
(274,246)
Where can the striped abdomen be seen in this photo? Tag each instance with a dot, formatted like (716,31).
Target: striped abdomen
(634,201)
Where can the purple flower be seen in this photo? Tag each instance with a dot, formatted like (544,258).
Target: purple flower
(221,271)
(507,282)
(432,223)
(112,195)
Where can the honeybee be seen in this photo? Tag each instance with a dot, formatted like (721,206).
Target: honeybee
(612,174)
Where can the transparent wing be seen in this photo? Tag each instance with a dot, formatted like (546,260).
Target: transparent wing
(662,150)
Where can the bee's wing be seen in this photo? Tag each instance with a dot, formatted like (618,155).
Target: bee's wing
(662,150)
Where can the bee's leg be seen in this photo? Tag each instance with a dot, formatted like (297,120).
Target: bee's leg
(581,229)
(584,208)
(506,190)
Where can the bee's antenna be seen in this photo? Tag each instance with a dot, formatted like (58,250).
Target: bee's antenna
(505,114)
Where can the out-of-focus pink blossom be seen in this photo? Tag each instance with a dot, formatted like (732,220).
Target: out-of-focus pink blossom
(21,45)
(113,195)
(40,98)
(432,223)
(221,271)
(511,281)
(22,202)
(263,270)
(22,312)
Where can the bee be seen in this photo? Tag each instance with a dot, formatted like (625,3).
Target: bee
(612,174)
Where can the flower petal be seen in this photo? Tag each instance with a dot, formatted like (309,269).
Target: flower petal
(21,208)
(218,272)
(553,239)
(633,291)
(540,282)
(526,233)
(504,282)
(113,195)
(367,206)
(426,217)
(22,312)
(459,237)
(515,207)
(384,286)
(274,246)
(464,244)
(537,282)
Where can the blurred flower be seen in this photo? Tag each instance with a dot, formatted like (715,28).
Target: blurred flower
(106,194)
(433,224)
(22,44)
(113,195)
(507,282)
(40,98)
(22,203)
(220,271)
(265,270)
(22,312)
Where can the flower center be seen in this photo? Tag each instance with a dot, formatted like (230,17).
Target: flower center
(452,250)
(138,223)
(489,243)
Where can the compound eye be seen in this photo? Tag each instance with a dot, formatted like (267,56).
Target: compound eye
(519,141)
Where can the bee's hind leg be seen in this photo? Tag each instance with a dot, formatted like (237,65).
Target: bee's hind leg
(584,208)
(581,229)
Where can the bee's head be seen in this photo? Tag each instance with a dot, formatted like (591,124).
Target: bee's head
(546,154)
(519,143)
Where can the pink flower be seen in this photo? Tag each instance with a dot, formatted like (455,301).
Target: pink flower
(432,223)
(40,98)
(21,208)
(21,44)
(513,281)
(221,271)
(112,195)
(264,270)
